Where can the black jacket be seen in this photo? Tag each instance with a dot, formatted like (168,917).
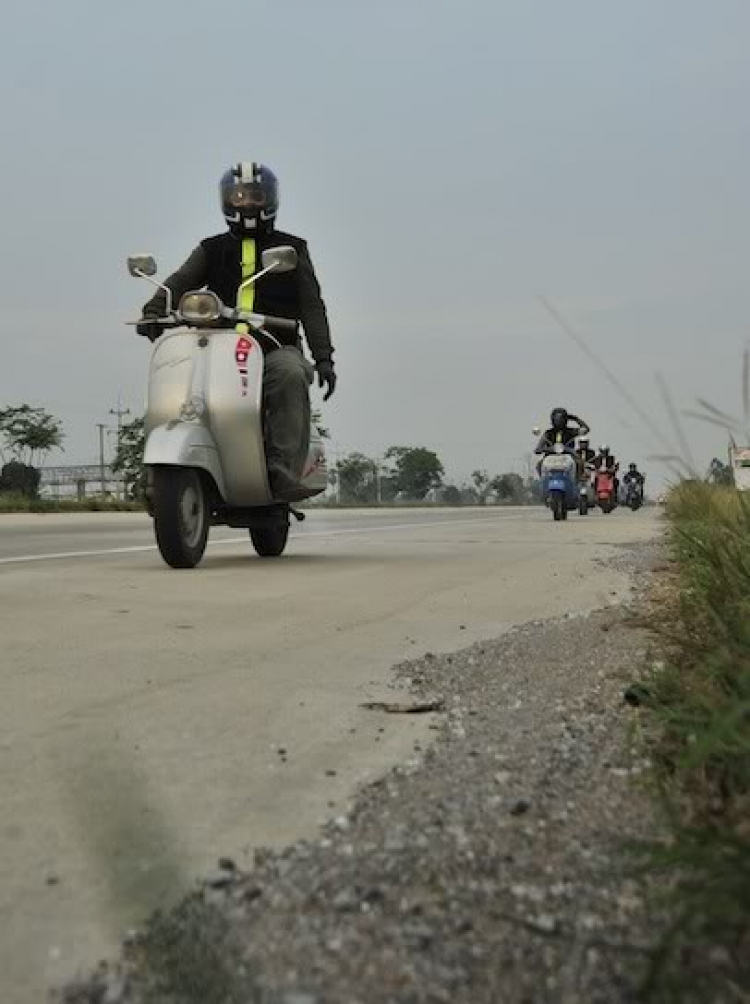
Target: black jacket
(635,476)
(217,264)
(566,436)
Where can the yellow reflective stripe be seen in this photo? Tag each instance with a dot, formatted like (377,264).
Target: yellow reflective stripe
(249,263)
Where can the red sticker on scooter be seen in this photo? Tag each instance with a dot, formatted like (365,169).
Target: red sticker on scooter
(242,351)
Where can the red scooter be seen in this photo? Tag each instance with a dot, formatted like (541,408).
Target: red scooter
(604,490)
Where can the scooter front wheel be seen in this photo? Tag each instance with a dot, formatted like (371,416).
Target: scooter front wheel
(270,541)
(182,515)
(558,504)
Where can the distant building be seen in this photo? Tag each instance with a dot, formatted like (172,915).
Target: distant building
(79,481)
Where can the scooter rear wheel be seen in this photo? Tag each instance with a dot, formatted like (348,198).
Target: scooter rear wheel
(270,541)
(182,515)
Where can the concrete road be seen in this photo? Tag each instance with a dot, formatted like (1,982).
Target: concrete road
(152,720)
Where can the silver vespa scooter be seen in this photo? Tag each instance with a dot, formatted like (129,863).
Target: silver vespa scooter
(205,455)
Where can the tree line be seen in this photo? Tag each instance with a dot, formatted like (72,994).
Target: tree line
(416,473)
(404,473)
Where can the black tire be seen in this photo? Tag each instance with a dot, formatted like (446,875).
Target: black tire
(583,506)
(558,506)
(182,515)
(270,541)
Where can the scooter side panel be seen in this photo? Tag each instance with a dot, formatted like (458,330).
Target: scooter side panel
(234,397)
(315,472)
(170,377)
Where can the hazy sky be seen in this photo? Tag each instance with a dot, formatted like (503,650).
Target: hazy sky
(448,163)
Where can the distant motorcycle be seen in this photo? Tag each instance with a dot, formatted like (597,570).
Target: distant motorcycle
(634,496)
(604,490)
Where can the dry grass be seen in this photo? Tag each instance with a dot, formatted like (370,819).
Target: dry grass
(700,700)
(12,502)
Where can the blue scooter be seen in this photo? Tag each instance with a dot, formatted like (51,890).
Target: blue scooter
(560,487)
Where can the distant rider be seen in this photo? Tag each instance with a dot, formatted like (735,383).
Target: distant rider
(634,479)
(605,460)
(564,430)
(585,453)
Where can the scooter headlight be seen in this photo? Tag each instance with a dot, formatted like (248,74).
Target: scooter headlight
(200,308)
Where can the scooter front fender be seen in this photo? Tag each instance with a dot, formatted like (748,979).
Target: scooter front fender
(184,444)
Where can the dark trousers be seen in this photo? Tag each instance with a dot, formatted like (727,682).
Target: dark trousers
(286,398)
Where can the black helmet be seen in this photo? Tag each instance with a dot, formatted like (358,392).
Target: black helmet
(559,418)
(249,197)
(633,467)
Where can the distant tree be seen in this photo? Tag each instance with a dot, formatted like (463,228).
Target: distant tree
(131,444)
(509,488)
(20,478)
(416,470)
(356,475)
(28,434)
(469,496)
(451,495)
(720,473)
(481,481)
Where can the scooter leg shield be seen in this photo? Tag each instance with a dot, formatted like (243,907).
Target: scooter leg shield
(183,444)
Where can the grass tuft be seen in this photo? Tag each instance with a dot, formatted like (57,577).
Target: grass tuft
(700,697)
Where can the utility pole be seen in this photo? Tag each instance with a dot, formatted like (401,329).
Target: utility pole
(120,412)
(379,494)
(102,471)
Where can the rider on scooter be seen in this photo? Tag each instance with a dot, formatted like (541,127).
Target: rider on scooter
(607,461)
(250,201)
(563,432)
(634,478)
(584,451)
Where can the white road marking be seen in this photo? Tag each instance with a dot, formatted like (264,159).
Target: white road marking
(22,559)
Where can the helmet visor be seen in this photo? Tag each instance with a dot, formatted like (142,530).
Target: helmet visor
(245,195)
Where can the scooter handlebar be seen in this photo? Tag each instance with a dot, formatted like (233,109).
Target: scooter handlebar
(283,325)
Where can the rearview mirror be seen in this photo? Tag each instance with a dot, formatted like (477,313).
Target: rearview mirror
(281,259)
(142,265)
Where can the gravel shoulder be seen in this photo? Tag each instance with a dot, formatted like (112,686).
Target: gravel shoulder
(492,867)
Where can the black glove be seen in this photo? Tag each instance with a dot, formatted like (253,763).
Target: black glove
(326,377)
(150,328)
